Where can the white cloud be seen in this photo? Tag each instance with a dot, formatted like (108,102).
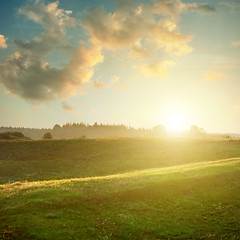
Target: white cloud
(135,27)
(132,25)
(174,7)
(53,19)
(27,75)
(155,69)
(213,76)
(30,79)
(3,40)
(97,84)
(205,8)
(138,50)
(115,82)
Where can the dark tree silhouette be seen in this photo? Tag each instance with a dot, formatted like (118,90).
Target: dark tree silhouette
(47,135)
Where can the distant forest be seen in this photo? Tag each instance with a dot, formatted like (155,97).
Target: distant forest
(81,130)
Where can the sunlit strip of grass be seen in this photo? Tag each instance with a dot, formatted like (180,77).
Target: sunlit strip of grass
(186,168)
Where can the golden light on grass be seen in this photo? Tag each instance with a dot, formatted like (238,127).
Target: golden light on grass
(179,171)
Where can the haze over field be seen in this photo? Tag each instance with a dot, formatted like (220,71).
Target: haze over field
(129,188)
(137,63)
(119,119)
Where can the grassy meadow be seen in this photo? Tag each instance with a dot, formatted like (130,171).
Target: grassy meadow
(120,189)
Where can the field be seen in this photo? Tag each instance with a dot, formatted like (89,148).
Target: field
(120,189)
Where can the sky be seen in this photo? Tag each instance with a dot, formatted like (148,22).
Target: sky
(137,63)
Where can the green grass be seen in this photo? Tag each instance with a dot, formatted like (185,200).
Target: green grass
(57,159)
(120,189)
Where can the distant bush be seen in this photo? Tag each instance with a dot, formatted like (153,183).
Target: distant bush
(47,135)
(11,135)
(17,134)
(4,136)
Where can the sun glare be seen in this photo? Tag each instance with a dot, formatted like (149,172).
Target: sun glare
(176,120)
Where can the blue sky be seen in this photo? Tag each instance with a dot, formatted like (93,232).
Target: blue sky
(138,63)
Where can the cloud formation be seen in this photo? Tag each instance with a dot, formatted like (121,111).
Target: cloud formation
(213,76)
(97,84)
(139,28)
(116,82)
(174,7)
(232,5)
(142,29)
(236,43)
(27,75)
(36,81)
(3,43)
(155,69)
(67,107)
(53,19)
(205,8)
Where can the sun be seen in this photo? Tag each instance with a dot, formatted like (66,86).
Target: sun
(176,120)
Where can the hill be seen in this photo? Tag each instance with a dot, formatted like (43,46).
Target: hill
(120,189)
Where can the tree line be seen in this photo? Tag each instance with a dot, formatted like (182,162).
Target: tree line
(82,130)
